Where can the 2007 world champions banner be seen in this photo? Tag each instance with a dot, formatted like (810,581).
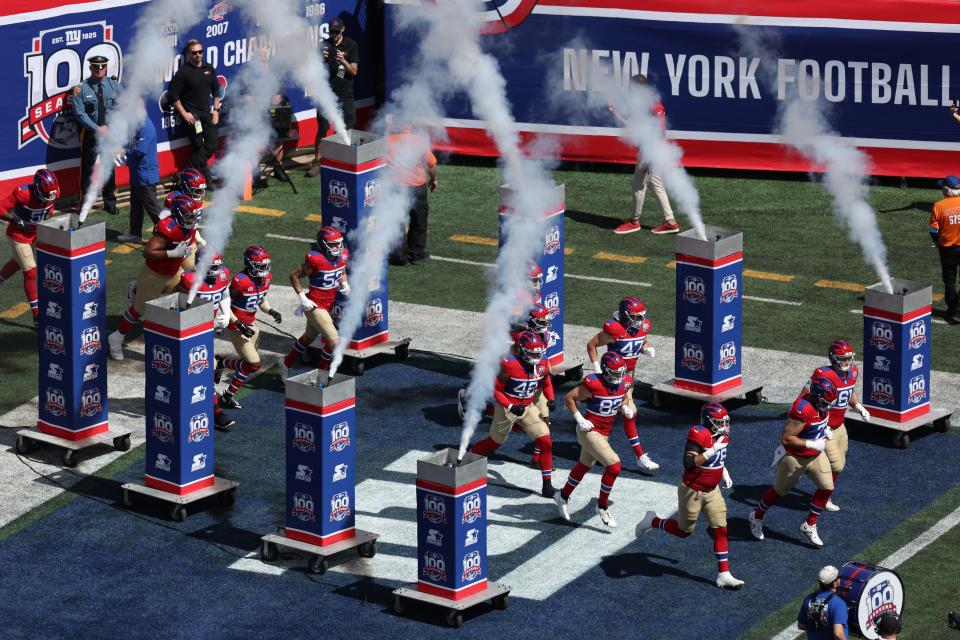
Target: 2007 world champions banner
(882,69)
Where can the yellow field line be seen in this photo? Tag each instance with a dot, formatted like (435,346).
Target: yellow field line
(485,241)
(567,251)
(126,247)
(835,284)
(108,261)
(767,275)
(314,217)
(671,265)
(619,257)
(15,311)
(261,211)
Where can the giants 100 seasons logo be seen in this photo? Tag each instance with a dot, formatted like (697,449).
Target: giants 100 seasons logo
(57,62)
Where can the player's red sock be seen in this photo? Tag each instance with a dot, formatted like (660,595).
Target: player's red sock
(610,474)
(299,347)
(129,318)
(535,459)
(767,500)
(720,548)
(8,270)
(546,457)
(670,526)
(216,404)
(630,429)
(244,371)
(326,356)
(817,503)
(485,447)
(576,475)
(232,363)
(30,288)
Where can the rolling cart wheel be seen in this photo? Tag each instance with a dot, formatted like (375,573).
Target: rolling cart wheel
(178,513)
(368,549)
(127,499)
(656,400)
(228,498)
(501,602)
(454,618)
(574,375)
(122,443)
(755,397)
(940,426)
(70,458)
(357,367)
(402,351)
(318,565)
(22,446)
(269,551)
(902,440)
(397,604)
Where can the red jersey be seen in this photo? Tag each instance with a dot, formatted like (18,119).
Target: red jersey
(26,206)
(629,343)
(325,277)
(173,235)
(206,291)
(814,425)
(604,401)
(707,476)
(246,294)
(845,383)
(522,382)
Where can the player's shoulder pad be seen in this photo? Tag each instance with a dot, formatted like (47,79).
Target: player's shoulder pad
(646,326)
(628,382)
(613,328)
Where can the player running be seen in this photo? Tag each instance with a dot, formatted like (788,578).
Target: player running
(704,468)
(626,333)
(26,206)
(603,395)
(801,452)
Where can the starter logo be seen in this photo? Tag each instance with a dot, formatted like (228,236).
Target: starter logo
(90,404)
(89,310)
(162,394)
(338,223)
(728,288)
(338,194)
(199,394)
(162,427)
(553,339)
(303,473)
(553,272)
(54,310)
(552,303)
(199,462)
(90,341)
(303,438)
(918,334)
(435,538)
(693,324)
(374,313)
(89,278)
(471,509)
(692,357)
(917,390)
(472,537)
(53,341)
(694,291)
(303,507)
(56,404)
(434,509)
(339,507)
(199,359)
(52,278)
(882,391)
(881,335)
(728,355)
(729,323)
(55,372)
(340,472)
(55,64)
(881,363)
(164,463)
(471,566)
(551,241)
(434,566)
(199,428)
(916,362)
(339,437)
(162,360)
(91,372)
(370,191)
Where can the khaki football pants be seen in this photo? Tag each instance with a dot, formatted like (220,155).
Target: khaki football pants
(595,447)
(791,468)
(246,347)
(836,449)
(531,422)
(319,323)
(691,502)
(23,254)
(151,284)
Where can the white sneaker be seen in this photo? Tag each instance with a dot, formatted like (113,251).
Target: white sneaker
(561,505)
(115,341)
(811,532)
(645,524)
(462,405)
(607,517)
(726,581)
(646,463)
(756,526)
(831,506)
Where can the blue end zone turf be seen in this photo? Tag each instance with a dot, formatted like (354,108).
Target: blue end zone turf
(94,569)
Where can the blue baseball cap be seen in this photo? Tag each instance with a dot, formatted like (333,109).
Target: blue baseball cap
(950,182)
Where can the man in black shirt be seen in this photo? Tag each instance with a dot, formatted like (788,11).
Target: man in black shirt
(190,92)
(342,58)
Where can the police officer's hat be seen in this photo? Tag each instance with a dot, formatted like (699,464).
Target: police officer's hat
(98,61)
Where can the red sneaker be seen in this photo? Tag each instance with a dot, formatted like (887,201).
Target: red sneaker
(667,227)
(628,226)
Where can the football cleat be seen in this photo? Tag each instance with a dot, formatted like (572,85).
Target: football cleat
(115,342)
(810,530)
(223,423)
(548,490)
(645,524)
(562,506)
(606,517)
(462,403)
(726,581)
(228,401)
(831,506)
(756,526)
(217,369)
(646,463)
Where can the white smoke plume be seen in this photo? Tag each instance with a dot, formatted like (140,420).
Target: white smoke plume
(147,59)
(803,125)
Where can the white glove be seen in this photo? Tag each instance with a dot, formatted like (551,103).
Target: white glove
(221,320)
(649,351)
(717,447)
(727,480)
(817,445)
(596,367)
(183,250)
(344,288)
(626,411)
(306,303)
(864,413)
(582,423)
(120,159)
(828,434)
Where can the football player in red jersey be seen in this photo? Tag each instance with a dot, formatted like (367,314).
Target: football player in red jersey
(704,467)
(326,268)
(536,282)
(521,376)
(603,395)
(172,241)
(27,205)
(192,184)
(844,374)
(248,292)
(213,289)
(626,333)
(801,452)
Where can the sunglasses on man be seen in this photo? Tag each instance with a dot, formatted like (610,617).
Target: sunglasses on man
(196,52)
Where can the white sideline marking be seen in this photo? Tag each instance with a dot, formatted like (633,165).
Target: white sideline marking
(933,320)
(899,556)
(773,300)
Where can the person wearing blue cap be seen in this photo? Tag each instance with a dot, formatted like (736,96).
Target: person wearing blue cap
(945,231)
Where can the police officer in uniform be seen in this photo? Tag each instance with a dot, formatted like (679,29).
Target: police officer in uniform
(92,100)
